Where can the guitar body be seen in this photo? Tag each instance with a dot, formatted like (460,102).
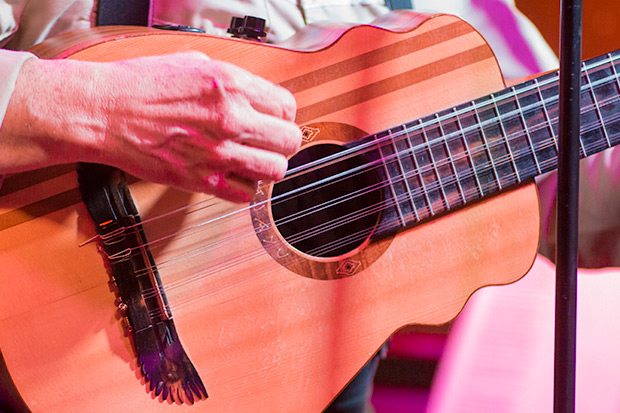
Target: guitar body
(267,329)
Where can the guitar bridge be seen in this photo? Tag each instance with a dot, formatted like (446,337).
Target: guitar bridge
(147,318)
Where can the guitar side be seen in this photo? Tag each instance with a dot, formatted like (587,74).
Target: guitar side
(262,336)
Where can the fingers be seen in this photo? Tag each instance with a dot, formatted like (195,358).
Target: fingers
(241,189)
(231,188)
(274,100)
(252,111)
(251,163)
(267,132)
(238,179)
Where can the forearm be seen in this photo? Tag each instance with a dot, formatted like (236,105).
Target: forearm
(52,117)
(181,120)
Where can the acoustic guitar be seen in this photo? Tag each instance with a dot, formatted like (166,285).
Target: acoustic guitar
(410,193)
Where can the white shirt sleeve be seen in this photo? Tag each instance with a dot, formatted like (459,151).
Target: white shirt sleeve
(10,63)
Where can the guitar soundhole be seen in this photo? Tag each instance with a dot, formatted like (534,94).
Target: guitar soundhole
(338,209)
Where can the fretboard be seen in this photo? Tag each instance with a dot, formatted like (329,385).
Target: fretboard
(451,158)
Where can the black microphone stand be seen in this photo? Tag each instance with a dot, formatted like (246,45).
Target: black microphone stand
(567,201)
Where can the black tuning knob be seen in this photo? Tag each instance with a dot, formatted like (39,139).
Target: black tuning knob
(248,27)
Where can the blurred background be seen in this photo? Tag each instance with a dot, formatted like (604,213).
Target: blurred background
(601,24)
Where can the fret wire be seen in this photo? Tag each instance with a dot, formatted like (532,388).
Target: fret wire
(417,167)
(526,88)
(597,82)
(486,146)
(613,67)
(468,152)
(404,177)
(610,59)
(527,131)
(390,181)
(597,108)
(534,86)
(434,166)
(413,207)
(531,87)
(548,121)
(505,136)
(415,172)
(452,164)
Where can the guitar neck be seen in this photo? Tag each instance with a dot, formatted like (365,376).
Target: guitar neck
(459,155)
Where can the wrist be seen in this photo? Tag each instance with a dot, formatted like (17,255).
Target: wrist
(54,116)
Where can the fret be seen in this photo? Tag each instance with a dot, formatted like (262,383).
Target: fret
(599,70)
(405,194)
(436,134)
(600,106)
(617,83)
(473,135)
(547,121)
(414,178)
(486,145)
(547,149)
(425,192)
(496,145)
(468,152)
(505,135)
(527,131)
(384,161)
(595,103)
(613,68)
(420,193)
(457,159)
(583,149)
(414,210)
(517,140)
(451,161)
(434,166)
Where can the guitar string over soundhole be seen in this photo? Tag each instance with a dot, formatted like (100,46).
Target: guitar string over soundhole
(320,221)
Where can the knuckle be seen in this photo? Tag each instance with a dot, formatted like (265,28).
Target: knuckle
(216,79)
(223,156)
(190,55)
(228,121)
(225,75)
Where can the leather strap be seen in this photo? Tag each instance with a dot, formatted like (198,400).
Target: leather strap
(124,13)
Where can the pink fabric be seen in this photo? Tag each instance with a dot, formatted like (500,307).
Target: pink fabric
(499,355)
(508,25)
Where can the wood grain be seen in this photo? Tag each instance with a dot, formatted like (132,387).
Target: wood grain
(263,338)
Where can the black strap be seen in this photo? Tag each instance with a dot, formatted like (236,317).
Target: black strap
(399,4)
(124,13)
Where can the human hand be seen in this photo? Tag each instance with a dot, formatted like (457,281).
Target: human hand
(199,125)
(181,120)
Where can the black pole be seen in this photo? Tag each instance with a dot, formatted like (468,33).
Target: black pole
(567,201)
